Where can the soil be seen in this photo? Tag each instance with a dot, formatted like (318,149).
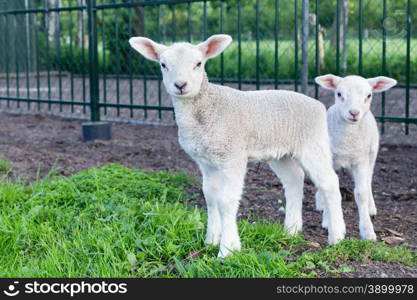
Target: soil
(35,144)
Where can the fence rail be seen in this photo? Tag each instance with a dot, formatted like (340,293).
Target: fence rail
(72,56)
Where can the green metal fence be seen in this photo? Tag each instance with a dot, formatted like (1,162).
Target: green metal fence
(72,57)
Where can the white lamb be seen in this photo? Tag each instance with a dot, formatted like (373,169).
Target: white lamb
(355,139)
(223,128)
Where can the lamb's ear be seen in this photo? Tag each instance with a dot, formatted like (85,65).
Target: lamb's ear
(381,83)
(214,45)
(147,47)
(328,81)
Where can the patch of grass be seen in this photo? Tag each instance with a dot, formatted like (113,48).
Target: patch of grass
(262,188)
(120,222)
(5,166)
(333,259)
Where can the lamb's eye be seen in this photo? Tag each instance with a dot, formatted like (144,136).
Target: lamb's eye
(339,95)
(369,96)
(198,65)
(163,65)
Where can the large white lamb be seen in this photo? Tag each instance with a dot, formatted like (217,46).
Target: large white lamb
(223,128)
(355,139)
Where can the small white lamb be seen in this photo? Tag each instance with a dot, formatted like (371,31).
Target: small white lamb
(223,128)
(355,139)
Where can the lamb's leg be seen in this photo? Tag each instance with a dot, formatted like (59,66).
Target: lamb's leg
(360,176)
(292,177)
(224,188)
(233,181)
(319,201)
(321,207)
(210,187)
(318,165)
(372,207)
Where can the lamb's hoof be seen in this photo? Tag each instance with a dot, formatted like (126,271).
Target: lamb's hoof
(325,220)
(227,250)
(337,235)
(294,228)
(324,224)
(335,239)
(319,205)
(372,211)
(370,235)
(212,239)
(318,208)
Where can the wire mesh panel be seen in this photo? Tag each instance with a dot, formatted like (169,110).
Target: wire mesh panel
(72,57)
(45,57)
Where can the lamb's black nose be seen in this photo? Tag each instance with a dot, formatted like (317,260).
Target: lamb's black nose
(180,85)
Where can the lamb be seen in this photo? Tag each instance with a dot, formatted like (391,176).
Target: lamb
(223,128)
(354,139)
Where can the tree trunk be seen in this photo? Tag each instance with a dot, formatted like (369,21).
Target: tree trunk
(345,19)
(30,32)
(304,47)
(80,24)
(139,20)
(321,32)
(53,20)
(342,30)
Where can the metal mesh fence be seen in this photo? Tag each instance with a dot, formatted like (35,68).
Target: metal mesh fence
(71,57)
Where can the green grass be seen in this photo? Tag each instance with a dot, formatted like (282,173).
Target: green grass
(5,166)
(120,222)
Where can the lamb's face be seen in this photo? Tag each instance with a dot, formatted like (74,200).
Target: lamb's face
(182,68)
(353,97)
(353,94)
(182,64)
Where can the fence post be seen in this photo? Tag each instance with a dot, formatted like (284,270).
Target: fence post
(94,129)
(408,68)
(304,47)
(93,61)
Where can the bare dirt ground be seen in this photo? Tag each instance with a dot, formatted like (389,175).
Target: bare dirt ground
(35,144)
